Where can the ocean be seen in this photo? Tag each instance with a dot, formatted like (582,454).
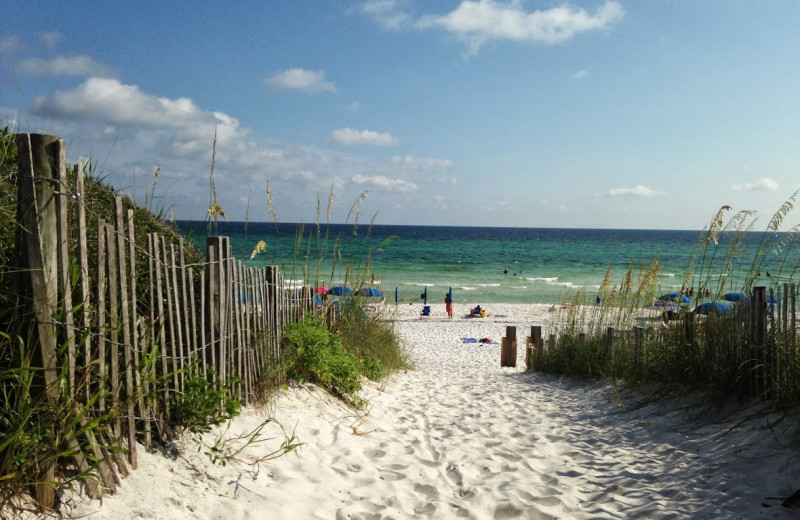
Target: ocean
(481,265)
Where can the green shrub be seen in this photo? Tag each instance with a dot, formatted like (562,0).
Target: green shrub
(316,355)
(372,339)
(204,404)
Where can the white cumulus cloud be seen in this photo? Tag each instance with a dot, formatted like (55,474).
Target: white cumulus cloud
(81,66)
(388,14)
(636,191)
(350,136)
(581,74)
(381,181)
(114,102)
(422,163)
(482,21)
(760,185)
(308,81)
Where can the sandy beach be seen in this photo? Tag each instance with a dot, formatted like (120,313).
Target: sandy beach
(461,437)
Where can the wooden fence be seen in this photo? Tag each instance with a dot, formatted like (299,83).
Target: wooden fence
(751,347)
(126,335)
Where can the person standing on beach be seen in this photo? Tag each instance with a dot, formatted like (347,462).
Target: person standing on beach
(448,305)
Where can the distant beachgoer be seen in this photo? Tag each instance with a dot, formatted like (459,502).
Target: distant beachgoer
(505,271)
(372,282)
(448,304)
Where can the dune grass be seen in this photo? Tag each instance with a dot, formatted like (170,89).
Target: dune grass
(626,338)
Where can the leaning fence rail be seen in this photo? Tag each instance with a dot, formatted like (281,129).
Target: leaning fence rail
(130,333)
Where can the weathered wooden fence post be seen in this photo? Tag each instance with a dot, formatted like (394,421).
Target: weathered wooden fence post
(39,161)
(610,346)
(756,359)
(533,345)
(508,348)
(41,179)
(219,296)
(638,347)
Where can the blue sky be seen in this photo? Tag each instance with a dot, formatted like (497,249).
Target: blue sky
(644,114)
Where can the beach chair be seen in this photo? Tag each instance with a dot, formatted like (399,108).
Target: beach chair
(426,312)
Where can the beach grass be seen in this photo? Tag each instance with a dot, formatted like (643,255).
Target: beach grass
(625,337)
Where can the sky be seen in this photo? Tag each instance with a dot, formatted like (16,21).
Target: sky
(645,114)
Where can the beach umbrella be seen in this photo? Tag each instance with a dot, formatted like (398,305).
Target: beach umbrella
(735,296)
(370,291)
(712,308)
(396,296)
(425,295)
(322,289)
(674,297)
(340,290)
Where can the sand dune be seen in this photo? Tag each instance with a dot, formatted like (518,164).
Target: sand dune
(461,437)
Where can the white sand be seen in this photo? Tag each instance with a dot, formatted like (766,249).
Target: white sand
(461,437)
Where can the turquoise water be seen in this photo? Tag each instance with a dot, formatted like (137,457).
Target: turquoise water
(544,265)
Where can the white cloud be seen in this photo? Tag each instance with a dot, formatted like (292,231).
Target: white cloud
(81,66)
(10,47)
(760,185)
(581,74)
(350,136)
(422,163)
(636,191)
(381,181)
(388,14)
(114,102)
(440,203)
(51,38)
(131,131)
(482,21)
(308,81)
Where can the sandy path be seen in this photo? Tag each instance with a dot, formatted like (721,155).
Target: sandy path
(461,437)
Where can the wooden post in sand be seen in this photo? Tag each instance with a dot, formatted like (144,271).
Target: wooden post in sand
(610,345)
(508,348)
(534,342)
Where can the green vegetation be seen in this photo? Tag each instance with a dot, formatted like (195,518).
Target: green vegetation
(56,429)
(204,404)
(318,356)
(360,346)
(741,351)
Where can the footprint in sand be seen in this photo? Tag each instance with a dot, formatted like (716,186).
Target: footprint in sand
(454,474)
(374,454)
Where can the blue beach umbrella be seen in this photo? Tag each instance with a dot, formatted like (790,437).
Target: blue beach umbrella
(425,295)
(712,308)
(340,290)
(370,291)
(674,297)
(396,296)
(735,297)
